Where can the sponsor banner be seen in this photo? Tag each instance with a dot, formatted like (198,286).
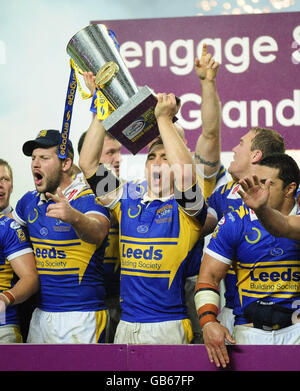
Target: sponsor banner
(259,77)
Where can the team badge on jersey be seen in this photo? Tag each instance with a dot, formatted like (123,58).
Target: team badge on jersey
(14,225)
(142,229)
(21,235)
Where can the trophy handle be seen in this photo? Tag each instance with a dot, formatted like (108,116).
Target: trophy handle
(106,74)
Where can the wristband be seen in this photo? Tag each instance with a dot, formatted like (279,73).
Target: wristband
(9,297)
(207,299)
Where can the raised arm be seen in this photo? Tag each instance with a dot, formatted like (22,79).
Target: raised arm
(207,153)
(92,148)
(256,196)
(178,155)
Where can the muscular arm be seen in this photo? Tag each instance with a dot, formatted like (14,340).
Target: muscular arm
(211,273)
(178,156)
(90,227)
(256,196)
(28,283)
(278,224)
(90,156)
(208,149)
(92,148)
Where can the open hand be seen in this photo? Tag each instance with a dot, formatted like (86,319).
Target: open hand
(254,194)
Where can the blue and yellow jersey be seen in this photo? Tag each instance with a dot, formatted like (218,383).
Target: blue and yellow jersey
(70,270)
(267,268)
(222,201)
(208,185)
(155,240)
(111,263)
(13,243)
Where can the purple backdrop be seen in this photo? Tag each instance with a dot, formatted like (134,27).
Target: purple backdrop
(259,77)
(26,357)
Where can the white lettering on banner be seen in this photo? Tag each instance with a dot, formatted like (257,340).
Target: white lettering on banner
(2,53)
(239,63)
(241,108)
(296,45)
(265,44)
(182,53)
(184,65)
(241,120)
(162,48)
(194,120)
(131,49)
(294,104)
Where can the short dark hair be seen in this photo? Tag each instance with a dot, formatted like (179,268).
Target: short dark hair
(268,141)
(5,163)
(288,168)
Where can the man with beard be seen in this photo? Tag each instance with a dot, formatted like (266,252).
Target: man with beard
(67,228)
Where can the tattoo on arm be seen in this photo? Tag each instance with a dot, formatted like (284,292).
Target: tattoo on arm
(199,159)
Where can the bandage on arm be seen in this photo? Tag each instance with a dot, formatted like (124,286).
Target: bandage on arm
(207,300)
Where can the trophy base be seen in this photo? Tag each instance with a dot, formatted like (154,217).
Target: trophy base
(134,124)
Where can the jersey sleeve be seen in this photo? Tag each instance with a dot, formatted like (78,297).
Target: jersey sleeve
(214,204)
(88,204)
(224,240)
(19,213)
(14,241)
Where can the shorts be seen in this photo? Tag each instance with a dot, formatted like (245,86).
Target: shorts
(10,333)
(67,327)
(189,288)
(174,332)
(244,335)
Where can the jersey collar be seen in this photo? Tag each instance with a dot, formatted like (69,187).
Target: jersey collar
(146,198)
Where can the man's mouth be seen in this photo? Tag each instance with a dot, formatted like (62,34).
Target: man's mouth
(38,178)
(156,178)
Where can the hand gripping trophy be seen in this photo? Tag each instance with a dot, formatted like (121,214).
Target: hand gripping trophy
(132,119)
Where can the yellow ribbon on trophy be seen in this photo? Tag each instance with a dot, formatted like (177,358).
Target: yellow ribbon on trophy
(77,70)
(101,105)
(104,108)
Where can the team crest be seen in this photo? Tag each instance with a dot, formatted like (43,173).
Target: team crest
(42,133)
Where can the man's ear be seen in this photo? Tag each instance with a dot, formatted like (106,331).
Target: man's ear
(67,164)
(256,155)
(290,190)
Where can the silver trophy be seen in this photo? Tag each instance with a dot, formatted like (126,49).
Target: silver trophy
(133,122)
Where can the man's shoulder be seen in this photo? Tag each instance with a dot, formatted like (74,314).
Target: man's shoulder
(31,195)
(228,187)
(134,189)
